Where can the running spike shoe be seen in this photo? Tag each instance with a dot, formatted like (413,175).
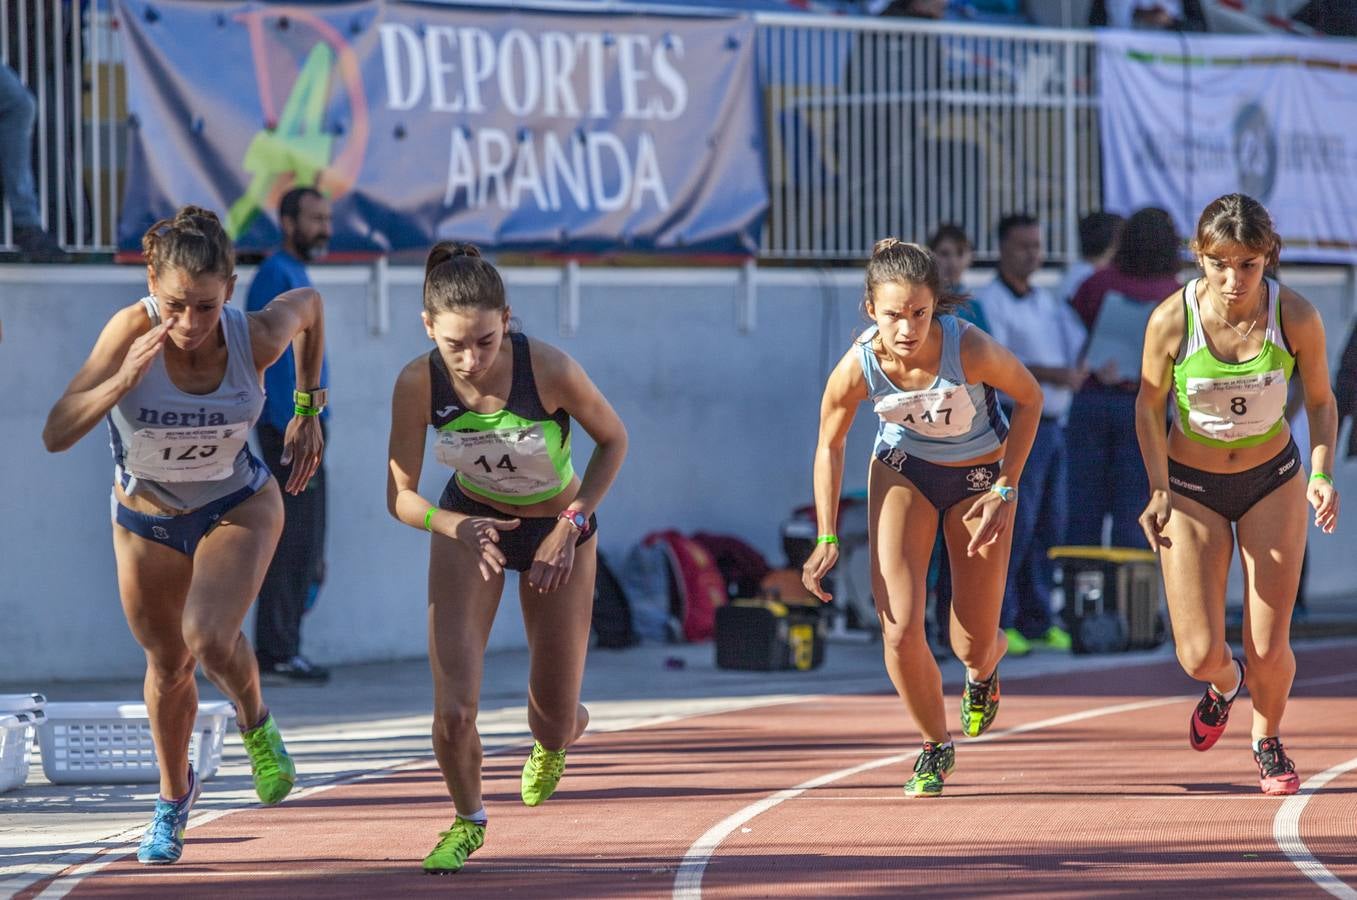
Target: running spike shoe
(1212,712)
(541,773)
(163,842)
(934,764)
(448,856)
(1276,772)
(273,770)
(979,703)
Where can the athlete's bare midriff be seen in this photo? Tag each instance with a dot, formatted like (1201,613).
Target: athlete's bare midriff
(1224,460)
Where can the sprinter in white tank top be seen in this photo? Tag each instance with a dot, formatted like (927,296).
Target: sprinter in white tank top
(188,575)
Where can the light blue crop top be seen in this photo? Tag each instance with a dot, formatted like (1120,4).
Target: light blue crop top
(951,421)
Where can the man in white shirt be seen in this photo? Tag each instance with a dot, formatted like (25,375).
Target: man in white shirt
(1046,336)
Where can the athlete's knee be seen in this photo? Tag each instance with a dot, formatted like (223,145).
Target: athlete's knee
(1265,659)
(210,646)
(902,636)
(169,669)
(454,722)
(1202,661)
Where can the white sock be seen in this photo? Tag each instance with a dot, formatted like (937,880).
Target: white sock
(479,817)
(1258,743)
(1239,670)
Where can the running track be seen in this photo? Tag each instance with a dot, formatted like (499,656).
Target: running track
(1085,786)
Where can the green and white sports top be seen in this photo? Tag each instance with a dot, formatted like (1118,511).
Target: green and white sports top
(519,454)
(1225,404)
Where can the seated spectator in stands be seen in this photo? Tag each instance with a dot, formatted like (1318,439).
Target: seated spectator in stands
(913,9)
(1338,17)
(1046,336)
(1104,456)
(954,252)
(1167,15)
(17,113)
(1098,234)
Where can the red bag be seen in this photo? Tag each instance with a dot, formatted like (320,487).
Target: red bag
(700,584)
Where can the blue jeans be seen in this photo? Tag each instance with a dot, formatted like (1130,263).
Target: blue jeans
(1038,525)
(1105,470)
(17,114)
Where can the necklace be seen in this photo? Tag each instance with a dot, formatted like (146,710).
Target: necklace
(1253,323)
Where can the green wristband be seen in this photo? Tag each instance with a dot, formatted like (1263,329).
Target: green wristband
(428,518)
(827,539)
(306,410)
(1320,476)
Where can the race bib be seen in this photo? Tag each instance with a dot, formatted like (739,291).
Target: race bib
(173,455)
(511,461)
(1242,406)
(940,413)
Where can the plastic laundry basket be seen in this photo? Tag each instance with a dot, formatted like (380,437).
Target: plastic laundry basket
(110,743)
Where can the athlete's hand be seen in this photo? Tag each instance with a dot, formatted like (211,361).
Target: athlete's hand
(1323,496)
(822,559)
(996,517)
(303,444)
(142,353)
(554,559)
(481,534)
(1155,517)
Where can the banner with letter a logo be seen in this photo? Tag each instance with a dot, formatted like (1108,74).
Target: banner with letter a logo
(1186,119)
(515,130)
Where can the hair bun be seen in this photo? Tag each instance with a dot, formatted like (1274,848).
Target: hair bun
(444,251)
(885,245)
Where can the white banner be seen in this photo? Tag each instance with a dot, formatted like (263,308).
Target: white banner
(1187,119)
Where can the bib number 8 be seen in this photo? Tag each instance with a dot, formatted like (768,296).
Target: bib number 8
(1238,406)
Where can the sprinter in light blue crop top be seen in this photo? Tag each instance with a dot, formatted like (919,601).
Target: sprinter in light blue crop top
(945,453)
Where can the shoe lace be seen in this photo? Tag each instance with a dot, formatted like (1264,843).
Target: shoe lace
(258,746)
(546,763)
(977,692)
(931,761)
(1272,759)
(459,833)
(1213,708)
(162,829)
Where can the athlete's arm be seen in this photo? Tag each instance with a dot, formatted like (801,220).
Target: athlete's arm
(296,317)
(405,459)
(985,360)
(1163,337)
(846,388)
(563,383)
(1305,333)
(121,356)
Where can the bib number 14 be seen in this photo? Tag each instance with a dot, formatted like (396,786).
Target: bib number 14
(504,463)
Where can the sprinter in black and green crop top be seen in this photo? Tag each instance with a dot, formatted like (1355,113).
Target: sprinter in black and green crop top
(501,406)
(1225,347)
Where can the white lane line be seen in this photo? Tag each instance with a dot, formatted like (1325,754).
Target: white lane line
(688,880)
(618,716)
(1286,831)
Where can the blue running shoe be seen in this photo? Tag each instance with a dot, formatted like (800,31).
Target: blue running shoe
(164,840)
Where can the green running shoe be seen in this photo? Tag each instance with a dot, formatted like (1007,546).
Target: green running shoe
(1018,644)
(541,773)
(464,838)
(979,703)
(273,770)
(1057,638)
(934,764)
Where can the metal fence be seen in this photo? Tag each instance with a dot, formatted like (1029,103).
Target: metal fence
(874,127)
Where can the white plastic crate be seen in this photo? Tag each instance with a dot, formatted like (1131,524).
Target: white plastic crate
(12,703)
(16,741)
(110,743)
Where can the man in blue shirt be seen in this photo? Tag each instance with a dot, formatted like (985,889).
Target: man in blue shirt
(298,565)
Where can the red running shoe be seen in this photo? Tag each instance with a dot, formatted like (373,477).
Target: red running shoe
(1276,772)
(1211,714)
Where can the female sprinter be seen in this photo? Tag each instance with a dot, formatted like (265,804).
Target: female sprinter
(1226,346)
(940,451)
(501,406)
(195,515)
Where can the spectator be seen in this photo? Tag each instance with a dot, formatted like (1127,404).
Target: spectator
(1046,337)
(1104,455)
(1098,233)
(914,9)
(298,565)
(1345,390)
(17,114)
(1167,15)
(954,252)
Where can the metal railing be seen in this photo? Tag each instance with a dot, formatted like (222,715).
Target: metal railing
(877,127)
(874,127)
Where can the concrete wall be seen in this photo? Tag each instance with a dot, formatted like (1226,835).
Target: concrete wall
(722,425)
